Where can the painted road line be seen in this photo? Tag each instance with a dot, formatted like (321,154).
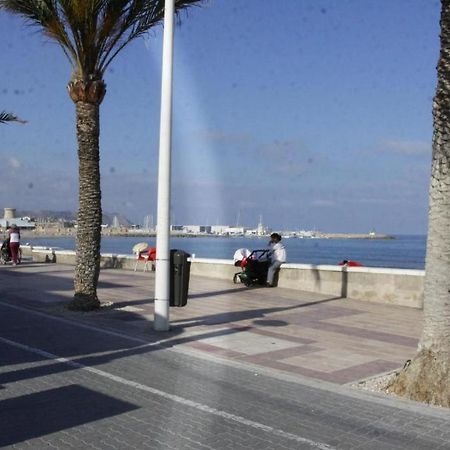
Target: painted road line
(84,325)
(175,398)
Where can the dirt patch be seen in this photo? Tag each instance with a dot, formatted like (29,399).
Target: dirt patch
(379,383)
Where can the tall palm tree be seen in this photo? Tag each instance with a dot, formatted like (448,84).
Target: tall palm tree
(427,376)
(91,33)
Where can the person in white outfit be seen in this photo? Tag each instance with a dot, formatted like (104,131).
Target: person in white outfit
(277,256)
(14,243)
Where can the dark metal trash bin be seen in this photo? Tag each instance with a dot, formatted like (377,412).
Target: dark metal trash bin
(179,277)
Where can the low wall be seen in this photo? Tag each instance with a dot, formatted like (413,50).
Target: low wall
(107,261)
(390,286)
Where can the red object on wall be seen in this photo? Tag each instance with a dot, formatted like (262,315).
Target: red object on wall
(350,263)
(149,254)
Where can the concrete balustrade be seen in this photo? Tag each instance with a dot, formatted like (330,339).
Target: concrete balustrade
(390,286)
(107,261)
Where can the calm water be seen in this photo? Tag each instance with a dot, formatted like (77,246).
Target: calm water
(406,252)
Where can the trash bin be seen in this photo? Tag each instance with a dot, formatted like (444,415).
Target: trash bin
(179,277)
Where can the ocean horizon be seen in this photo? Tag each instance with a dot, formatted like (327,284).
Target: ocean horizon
(404,251)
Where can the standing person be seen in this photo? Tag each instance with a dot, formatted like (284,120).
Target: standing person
(277,255)
(14,243)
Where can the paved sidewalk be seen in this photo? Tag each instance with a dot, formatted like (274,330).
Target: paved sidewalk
(320,337)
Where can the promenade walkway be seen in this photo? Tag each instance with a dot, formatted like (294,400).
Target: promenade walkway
(297,333)
(240,368)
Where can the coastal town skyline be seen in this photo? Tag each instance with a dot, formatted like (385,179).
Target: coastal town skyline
(60,223)
(262,126)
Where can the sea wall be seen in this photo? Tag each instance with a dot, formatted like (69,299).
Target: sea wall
(402,287)
(389,286)
(107,261)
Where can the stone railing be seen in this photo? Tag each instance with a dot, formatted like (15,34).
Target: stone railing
(390,286)
(51,255)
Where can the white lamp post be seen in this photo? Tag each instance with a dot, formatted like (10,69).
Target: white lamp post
(162,275)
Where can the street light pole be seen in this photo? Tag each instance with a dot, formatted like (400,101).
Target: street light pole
(162,275)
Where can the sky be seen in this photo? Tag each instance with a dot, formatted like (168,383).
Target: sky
(312,114)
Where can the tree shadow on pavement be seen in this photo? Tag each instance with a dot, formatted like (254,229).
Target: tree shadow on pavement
(236,316)
(48,286)
(216,293)
(41,413)
(115,353)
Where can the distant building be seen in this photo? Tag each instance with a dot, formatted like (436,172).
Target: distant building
(260,231)
(227,230)
(10,219)
(219,229)
(197,229)
(235,230)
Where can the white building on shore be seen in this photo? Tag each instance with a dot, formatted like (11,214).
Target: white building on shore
(191,229)
(9,218)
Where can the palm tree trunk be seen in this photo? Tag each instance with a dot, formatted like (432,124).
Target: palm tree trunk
(427,376)
(87,267)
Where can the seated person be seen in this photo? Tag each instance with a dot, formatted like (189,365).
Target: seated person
(277,255)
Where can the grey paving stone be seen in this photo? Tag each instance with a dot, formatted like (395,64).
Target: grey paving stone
(90,410)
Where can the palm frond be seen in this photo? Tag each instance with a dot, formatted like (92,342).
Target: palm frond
(8,117)
(140,17)
(45,14)
(92,32)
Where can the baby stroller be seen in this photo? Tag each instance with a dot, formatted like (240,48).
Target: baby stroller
(5,252)
(254,265)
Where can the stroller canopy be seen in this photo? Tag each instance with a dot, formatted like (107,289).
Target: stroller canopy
(240,254)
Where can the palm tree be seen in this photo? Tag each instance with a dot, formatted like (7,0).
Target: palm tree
(91,33)
(427,377)
(8,117)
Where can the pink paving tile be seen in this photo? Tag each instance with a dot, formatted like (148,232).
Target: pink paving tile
(277,355)
(363,333)
(329,360)
(198,345)
(313,312)
(279,335)
(361,371)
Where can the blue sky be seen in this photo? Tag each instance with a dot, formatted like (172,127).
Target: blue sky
(311,113)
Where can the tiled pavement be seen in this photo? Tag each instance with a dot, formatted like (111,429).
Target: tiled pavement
(300,333)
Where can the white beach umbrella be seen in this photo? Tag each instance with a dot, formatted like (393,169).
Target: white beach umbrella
(141,246)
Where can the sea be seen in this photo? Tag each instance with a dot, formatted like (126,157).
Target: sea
(403,251)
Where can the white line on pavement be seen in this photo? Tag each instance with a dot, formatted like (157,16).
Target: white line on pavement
(82,325)
(175,398)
